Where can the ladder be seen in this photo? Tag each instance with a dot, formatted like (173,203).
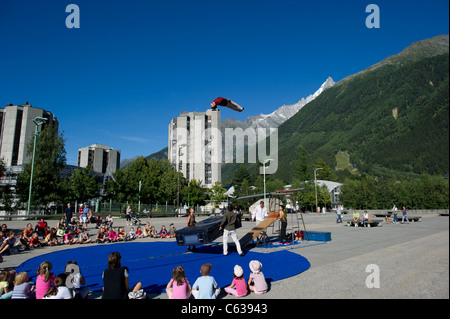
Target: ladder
(298,217)
(293,225)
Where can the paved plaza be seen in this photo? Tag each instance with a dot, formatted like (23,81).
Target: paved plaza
(412,260)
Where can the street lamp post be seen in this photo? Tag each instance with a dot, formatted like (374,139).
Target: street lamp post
(264,174)
(139,206)
(38,121)
(315,182)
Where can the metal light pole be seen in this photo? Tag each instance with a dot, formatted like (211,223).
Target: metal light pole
(139,206)
(37,121)
(315,182)
(264,174)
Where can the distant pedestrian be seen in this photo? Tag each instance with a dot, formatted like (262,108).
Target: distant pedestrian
(67,214)
(84,215)
(339,214)
(394,212)
(405,215)
(128,215)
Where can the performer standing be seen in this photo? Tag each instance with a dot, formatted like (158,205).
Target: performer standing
(227,103)
(283,219)
(191,222)
(229,221)
(259,213)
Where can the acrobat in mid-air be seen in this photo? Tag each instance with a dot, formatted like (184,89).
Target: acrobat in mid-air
(227,103)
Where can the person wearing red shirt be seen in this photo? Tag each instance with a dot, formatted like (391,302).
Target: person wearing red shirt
(227,103)
(40,226)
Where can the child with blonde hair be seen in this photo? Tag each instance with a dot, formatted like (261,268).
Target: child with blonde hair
(23,289)
(178,287)
(44,279)
(6,283)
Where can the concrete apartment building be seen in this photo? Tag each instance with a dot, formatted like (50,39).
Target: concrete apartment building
(195,146)
(102,158)
(17,130)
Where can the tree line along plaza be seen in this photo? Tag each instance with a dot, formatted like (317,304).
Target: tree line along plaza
(191,175)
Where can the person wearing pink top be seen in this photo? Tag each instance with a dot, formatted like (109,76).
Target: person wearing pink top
(44,279)
(238,282)
(178,287)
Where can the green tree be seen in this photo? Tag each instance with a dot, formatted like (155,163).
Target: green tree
(194,193)
(50,159)
(83,185)
(326,173)
(6,192)
(217,193)
(302,165)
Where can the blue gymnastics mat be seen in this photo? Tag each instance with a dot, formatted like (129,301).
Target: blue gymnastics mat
(152,263)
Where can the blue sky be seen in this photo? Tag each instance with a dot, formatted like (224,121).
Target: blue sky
(134,65)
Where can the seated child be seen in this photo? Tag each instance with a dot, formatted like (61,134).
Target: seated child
(257,282)
(163,232)
(239,282)
(205,287)
(35,242)
(178,287)
(132,234)
(139,232)
(112,236)
(172,230)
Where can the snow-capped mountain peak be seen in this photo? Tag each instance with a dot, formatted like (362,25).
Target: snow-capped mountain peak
(282,114)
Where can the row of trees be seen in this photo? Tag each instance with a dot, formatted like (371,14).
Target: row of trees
(49,185)
(156,181)
(149,181)
(370,192)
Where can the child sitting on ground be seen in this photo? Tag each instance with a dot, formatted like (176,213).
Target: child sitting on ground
(112,236)
(257,282)
(84,237)
(163,232)
(132,234)
(239,282)
(139,232)
(101,235)
(205,287)
(121,234)
(172,230)
(23,289)
(35,242)
(44,279)
(153,233)
(69,238)
(59,290)
(178,287)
